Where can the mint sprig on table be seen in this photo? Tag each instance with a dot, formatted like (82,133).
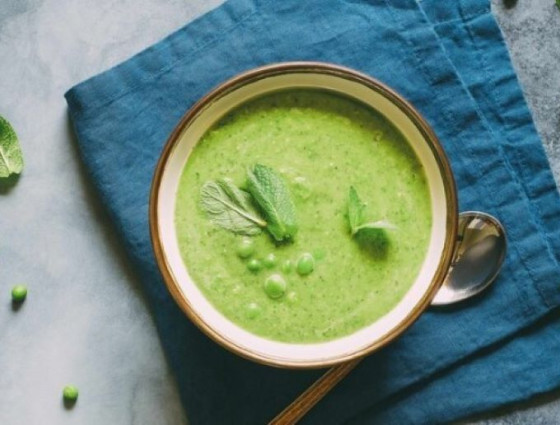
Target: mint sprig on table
(266,204)
(357,215)
(11,157)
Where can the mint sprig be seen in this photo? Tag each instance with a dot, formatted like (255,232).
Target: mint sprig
(11,157)
(266,204)
(357,218)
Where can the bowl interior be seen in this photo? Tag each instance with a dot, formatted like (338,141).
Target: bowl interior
(199,309)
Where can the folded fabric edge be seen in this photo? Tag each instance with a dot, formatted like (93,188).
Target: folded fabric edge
(159,58)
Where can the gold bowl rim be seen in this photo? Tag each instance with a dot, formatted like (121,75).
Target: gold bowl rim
(259,73)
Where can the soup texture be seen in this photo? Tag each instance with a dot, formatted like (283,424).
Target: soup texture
(328,282)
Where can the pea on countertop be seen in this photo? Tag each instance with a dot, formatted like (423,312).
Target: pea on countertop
(19,293)
(70,393)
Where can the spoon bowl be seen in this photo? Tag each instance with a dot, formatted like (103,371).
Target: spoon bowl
(479,255)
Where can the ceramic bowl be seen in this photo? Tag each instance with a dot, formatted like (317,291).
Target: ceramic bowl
(352,84)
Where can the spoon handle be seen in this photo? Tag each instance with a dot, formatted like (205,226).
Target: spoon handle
(311,396)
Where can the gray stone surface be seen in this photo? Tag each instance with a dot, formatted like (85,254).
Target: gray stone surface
(85,321)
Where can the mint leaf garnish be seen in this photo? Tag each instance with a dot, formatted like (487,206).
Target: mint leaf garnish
(230,208)
(380,224)
(11,157)
(273,198)
(356,215)
(356,209)
(238,196)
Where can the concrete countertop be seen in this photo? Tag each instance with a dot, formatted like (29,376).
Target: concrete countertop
(85,321)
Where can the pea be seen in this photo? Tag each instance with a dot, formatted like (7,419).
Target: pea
(287,266)
(252,310)
(270,261)
(254,265)
(292,297)
(245,248)
(275,286)
(19,292)
(70,393)
(305,264)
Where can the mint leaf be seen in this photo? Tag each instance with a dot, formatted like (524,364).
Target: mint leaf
(558,4)
(229,207)
(11,157)
(238,196)
(380,224)
(356,209)
(356,215)
(272,196)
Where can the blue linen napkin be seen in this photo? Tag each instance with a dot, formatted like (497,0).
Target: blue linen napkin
(449,60)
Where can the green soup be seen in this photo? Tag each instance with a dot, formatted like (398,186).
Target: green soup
(321,144)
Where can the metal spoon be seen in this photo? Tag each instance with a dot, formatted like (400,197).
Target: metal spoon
(479,255)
